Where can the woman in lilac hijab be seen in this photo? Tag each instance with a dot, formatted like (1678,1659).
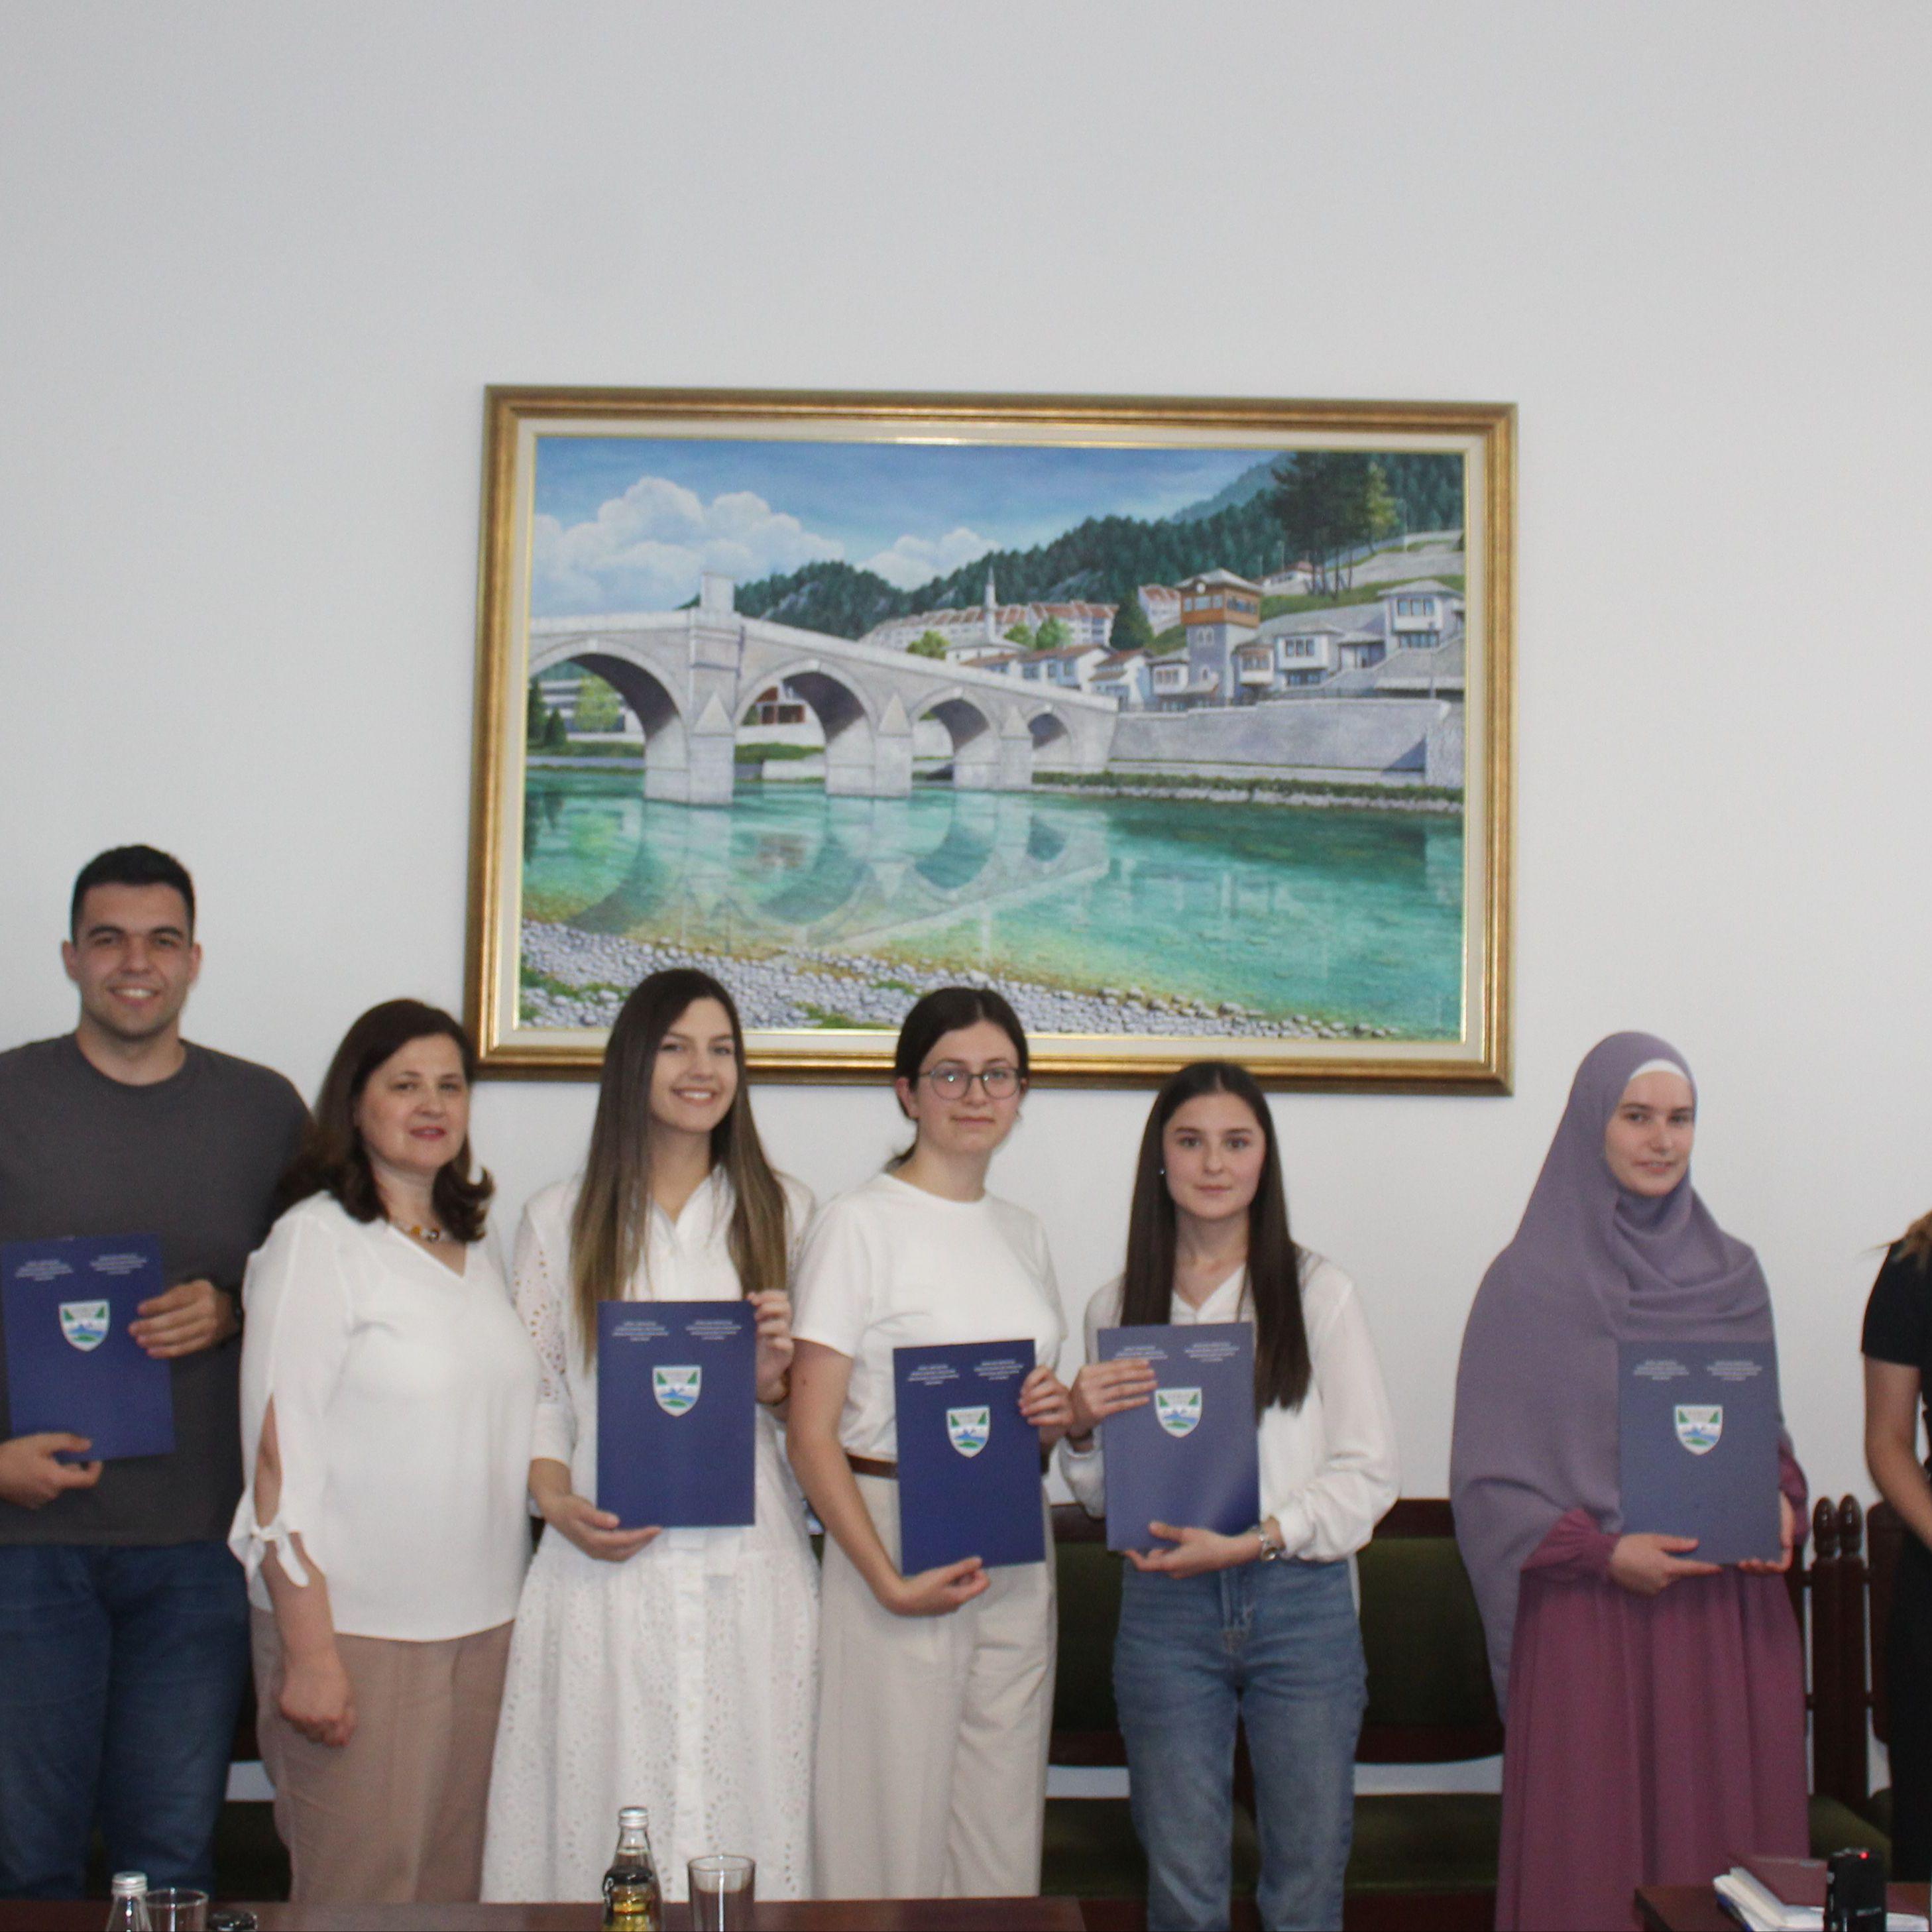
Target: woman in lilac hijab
(1655,1704)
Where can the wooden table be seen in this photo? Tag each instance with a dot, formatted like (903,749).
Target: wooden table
(863,1915)
(1694,1908)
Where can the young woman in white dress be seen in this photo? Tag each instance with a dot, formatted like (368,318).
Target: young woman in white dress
(937,1689)
(672,1668)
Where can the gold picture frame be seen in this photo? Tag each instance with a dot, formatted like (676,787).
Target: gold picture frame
(1300,789)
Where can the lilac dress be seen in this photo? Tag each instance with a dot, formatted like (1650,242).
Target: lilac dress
(1650,1740)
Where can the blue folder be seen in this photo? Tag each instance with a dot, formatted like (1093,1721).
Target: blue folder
(1698,1424)
(677,1402)
(969,1462)
(71,1364)
(1187,1457)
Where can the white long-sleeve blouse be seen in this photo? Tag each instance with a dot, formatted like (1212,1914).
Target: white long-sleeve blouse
(405,1395)
(1328,1469)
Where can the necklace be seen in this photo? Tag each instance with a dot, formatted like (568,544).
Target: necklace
(419,1234)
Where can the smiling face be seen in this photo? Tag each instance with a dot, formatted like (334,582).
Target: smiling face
(413,1114)
(949,1101)
(695,1078)
(134,957)
(1648,1141)
(1213,1151)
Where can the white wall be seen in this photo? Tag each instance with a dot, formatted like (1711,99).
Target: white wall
(258,264)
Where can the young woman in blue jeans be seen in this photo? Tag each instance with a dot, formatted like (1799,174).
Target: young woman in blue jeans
(1259,1626)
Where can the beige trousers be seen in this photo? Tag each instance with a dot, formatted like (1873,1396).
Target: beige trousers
(396,1813)
(931,1774)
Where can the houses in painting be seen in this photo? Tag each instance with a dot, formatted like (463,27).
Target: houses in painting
(1217,651)
(1406,638)
(970,635)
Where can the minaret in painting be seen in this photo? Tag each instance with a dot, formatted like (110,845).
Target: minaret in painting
(992,610)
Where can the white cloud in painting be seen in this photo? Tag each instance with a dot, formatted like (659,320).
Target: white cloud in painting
(913,561)
(645,550)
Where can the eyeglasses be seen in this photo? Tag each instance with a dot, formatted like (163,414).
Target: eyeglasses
(951,1082)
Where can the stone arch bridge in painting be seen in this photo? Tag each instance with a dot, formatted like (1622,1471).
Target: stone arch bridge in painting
(689,675)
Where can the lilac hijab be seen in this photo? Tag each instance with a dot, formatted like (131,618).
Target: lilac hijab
(1591,1265)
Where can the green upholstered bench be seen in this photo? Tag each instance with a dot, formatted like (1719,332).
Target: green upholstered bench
(1429,1856)
(1835,1826)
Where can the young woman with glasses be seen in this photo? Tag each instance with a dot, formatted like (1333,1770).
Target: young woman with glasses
(935,1689)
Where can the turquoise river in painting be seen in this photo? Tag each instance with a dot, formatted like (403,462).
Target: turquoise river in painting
(1351,918)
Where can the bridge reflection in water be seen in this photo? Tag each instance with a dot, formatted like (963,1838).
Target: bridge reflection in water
(857,875)
(1345,914)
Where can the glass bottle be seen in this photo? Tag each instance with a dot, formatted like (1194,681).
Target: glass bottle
(632,1899)
(129,1912)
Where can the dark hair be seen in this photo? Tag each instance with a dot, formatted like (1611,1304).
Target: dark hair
(333,1159)
(609,1224)
(131,866)
(1274,1263)
(947,1010)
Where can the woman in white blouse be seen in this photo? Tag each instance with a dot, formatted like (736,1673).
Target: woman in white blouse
(1260,1625)
(936,1689)
(387,1395)
(672,1668)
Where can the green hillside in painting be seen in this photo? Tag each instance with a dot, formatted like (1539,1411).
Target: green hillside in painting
(1105,558)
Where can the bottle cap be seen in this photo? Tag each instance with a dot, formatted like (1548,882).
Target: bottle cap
(631,1816)
(130,1885)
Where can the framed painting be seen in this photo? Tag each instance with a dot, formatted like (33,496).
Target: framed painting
(1185,723)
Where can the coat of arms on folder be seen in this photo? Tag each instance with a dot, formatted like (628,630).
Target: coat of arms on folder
(676,1389)
(968,1429)
(1178,1410)
(1699,1426)
(84,1323)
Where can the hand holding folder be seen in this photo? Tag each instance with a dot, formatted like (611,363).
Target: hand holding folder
(74,1366)
(1187,1458)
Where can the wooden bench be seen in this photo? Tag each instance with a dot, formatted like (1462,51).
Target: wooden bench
(1851,1599)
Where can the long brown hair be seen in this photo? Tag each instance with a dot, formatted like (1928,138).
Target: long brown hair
(612,1217)
(333,1159)
(1274,1263)
(1915,1245)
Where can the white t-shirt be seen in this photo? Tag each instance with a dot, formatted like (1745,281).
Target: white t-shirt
(404,1397)
(889,1266)
(1328,1468)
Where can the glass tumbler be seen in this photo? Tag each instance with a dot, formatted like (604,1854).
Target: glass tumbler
(176,1909)
(722,1888)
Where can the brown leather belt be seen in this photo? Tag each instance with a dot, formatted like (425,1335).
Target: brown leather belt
(871,1466)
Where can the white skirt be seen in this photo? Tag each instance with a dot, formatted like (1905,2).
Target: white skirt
(684,1681)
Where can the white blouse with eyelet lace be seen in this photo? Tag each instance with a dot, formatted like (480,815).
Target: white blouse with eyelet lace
(682,1679)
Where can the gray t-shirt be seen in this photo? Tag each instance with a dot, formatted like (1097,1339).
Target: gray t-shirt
(193,1159)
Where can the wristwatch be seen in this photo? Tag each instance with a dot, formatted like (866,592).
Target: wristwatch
(1273,1550)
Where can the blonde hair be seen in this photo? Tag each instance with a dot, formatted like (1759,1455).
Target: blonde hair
(1916,1243)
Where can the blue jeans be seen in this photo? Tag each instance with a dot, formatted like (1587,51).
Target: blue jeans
(121,1672)
(1278,1645)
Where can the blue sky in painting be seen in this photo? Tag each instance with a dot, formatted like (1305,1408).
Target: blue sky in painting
(628,524)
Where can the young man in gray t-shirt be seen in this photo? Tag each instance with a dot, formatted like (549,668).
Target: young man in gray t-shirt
(124,1620)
